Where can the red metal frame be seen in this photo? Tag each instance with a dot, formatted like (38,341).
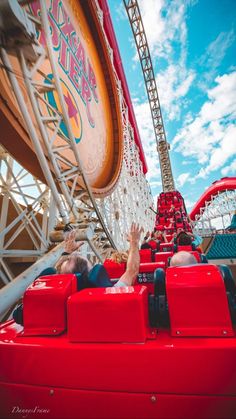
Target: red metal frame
(108,26)
(220,185)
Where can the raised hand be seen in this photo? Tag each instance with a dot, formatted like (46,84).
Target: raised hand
(70,244)
(134,235)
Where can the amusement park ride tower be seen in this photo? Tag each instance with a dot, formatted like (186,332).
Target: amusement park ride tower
(163,147)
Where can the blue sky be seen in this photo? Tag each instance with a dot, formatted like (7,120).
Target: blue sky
(193,49)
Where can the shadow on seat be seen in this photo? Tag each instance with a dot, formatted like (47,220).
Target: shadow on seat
(230,290)
(158,309)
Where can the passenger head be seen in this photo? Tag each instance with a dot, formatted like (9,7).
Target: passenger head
(183,239)
(145,246)
(119,257)
(182,259)
(157,235)
(73,263)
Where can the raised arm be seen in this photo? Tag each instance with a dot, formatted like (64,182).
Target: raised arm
(133,261)
(70,244)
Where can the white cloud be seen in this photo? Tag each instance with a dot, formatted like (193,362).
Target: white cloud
(164,21)
(187,162)
(173,84)
(169,20)
(219,156)
(215,53)
(121,12)
(211,137)
(189,204)
(145,125)
(229,169)
(211,60)
(155,183)
(182,179)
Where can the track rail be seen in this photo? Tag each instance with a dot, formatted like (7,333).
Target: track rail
(224,184)
(136,23)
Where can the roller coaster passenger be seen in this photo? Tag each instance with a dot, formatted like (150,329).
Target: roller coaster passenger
(73,262)
(183,258)
(119,257)
(184,239)
(153,241)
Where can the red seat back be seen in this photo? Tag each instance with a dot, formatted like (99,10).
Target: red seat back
(197,301)
(185,248)
(153,244)
(109,315)
(115,270)
(166,247)
(145,255)
(45,302)
(163,256)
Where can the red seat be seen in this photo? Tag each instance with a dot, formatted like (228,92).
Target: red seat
(168,237)
(197,301)
(145,255)
(151,267)
(185,248)
(153,244)
(45,302)
(109,315)
(114,269)
(166,247)
(179,225)
(163,256)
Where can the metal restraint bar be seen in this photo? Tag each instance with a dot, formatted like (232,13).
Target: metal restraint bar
(136,23)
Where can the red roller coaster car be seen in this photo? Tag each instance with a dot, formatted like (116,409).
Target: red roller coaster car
(164,348)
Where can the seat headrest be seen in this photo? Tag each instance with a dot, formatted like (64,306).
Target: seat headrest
(203,258)
(159,282)
(228,279)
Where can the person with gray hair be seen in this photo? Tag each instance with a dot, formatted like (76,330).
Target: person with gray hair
(183,258)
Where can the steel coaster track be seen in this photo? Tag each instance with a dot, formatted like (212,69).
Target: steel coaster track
(134,15)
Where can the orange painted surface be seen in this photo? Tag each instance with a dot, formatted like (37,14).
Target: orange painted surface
(89,91)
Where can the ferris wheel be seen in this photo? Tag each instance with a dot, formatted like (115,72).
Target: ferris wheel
(70,148)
